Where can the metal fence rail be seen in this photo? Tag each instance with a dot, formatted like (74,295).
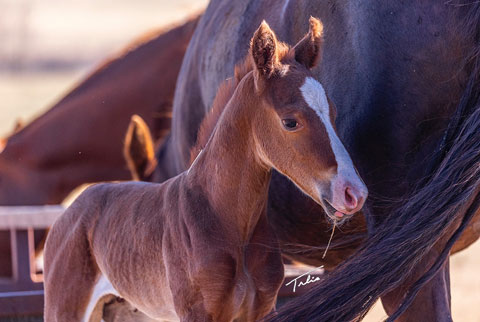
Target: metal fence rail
(22,293)
(24,217)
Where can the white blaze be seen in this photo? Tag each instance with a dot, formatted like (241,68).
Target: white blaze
(314,95)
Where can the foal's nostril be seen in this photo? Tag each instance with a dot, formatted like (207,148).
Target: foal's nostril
(348,197)
(351,201)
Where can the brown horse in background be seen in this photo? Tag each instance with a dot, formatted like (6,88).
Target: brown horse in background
(198,247)
(140,80)
(80,139)
(404,76)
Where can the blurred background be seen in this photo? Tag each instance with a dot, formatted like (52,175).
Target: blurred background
(47,46)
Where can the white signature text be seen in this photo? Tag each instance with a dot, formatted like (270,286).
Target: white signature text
(308,280)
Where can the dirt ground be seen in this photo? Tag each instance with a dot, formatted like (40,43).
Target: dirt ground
(47,46)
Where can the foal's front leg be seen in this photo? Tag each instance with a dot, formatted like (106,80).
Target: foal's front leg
(210,293)
(196,313)
(192,304)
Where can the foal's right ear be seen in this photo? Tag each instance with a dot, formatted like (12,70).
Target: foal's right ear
(138,150)
(263,48)
(309,50)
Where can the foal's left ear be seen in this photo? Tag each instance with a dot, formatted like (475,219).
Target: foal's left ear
(309,50)
(263,48)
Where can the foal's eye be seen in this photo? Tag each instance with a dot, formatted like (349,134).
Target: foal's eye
(290,124)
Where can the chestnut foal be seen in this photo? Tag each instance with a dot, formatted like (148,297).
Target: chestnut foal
(198,246)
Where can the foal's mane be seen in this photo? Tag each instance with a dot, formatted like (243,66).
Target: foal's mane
(224,94)
(448,196)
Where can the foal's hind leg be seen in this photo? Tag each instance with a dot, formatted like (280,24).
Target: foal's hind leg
(70,271)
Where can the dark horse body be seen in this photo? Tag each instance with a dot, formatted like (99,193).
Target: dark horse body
(403,72)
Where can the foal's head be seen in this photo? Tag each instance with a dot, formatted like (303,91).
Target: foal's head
(295,131)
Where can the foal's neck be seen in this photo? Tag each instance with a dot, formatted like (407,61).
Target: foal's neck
(228,168)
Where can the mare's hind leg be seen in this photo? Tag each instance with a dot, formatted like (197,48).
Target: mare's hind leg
(432,303)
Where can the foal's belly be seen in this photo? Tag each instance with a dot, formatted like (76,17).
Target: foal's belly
(149,313)
(123,311)
(155,302)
